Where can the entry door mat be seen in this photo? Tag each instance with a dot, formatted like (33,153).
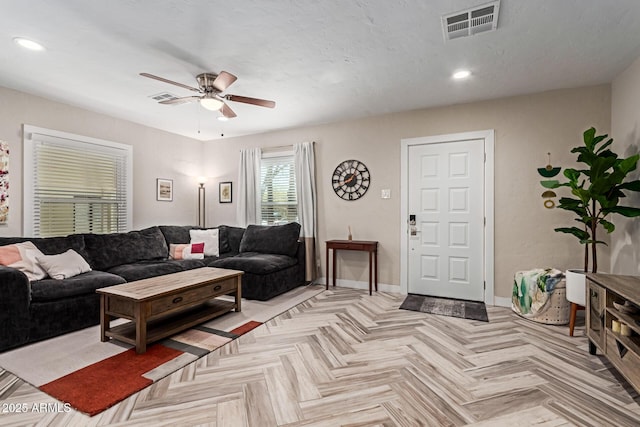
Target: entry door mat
(91,376)
(446,307)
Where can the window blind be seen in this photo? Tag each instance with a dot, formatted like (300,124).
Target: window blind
(279,202)
(78,187)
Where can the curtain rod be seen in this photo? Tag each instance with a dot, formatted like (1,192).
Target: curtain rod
(280,147)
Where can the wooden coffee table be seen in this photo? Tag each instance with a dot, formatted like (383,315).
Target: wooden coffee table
(161,306)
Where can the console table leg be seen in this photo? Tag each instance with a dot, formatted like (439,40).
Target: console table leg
(592,348)
(327,261)
(370,272)
(375,259)
(334,267)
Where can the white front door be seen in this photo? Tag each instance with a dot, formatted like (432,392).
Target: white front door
(446,195)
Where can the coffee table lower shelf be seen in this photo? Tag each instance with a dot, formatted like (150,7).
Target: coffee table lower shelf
(170,325)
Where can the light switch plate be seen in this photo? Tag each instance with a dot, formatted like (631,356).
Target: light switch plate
(385,193)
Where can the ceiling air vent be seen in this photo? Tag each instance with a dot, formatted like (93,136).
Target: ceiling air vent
(471,21)
(163,96)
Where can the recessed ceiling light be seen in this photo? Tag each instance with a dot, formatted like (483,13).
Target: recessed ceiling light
(28,44)
(462,74)
(223,118)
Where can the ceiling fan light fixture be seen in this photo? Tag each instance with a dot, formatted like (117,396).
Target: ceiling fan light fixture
(212,104)
(28,44)
(461,74)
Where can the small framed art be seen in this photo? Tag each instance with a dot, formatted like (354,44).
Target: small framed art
(225,192)
(164,190)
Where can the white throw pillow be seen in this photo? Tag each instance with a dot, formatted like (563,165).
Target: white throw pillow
(64,265)
(23,256)
(209,238)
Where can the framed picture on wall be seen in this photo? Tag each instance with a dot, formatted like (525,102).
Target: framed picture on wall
(225,192)
(164,188)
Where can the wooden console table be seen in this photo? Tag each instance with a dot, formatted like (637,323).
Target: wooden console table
(354,245)
(611,327)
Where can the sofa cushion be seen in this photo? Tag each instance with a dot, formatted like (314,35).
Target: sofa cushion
(51,245)
(145,269)
(256,263)
(230,238)
(109,250)
(85,283)
(271,239)
(177,234)
(187,264)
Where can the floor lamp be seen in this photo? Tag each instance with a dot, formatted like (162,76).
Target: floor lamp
(201,203)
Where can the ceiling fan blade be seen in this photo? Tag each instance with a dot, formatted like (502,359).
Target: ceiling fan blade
(224,80)
(227,112)
(254,101)
(171,82)
(180,100)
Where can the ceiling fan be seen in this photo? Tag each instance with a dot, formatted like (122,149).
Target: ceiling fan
(210,88)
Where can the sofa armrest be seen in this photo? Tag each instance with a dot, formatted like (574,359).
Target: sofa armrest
(14,307)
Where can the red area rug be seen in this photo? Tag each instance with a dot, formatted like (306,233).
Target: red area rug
(249,326)
(101,385)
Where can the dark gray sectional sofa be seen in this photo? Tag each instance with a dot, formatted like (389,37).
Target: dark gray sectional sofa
(272,258)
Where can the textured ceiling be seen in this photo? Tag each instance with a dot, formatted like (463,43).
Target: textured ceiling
(321,61)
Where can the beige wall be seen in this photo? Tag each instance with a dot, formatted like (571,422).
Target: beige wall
(527,127)
(156,154)
(625,127)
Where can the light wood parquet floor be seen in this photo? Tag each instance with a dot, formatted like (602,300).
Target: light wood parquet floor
(345,358)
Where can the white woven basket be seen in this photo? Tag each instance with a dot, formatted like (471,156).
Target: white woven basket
(557,309)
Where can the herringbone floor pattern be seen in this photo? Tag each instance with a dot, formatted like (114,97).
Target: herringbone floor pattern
(347,358)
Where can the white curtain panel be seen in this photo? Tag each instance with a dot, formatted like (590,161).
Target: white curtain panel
(304,161)
(248,207)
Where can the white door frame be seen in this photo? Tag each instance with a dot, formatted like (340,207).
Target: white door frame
(488,136)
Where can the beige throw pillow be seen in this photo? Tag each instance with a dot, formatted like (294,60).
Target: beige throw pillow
(64,265)
(23,257)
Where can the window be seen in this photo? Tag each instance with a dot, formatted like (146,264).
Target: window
(75,184)
(279,202)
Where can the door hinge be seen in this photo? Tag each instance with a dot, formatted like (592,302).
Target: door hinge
(485,221)
(485,157)
(485,285)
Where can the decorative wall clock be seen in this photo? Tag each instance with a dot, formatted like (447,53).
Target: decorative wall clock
(351,180)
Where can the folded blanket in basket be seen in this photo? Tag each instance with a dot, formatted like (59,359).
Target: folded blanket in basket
(531,290)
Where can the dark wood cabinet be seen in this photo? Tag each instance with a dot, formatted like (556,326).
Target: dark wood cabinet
(613,322)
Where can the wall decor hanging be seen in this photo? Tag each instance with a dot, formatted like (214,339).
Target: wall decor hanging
(350,180)
(549,172)
(164,190)
(224,193)
(4,182)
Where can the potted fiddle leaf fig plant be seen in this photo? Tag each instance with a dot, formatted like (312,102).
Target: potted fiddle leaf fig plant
(597,191)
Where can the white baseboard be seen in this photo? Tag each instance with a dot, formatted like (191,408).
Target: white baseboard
(384,287)
(502,301)
(355,284)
